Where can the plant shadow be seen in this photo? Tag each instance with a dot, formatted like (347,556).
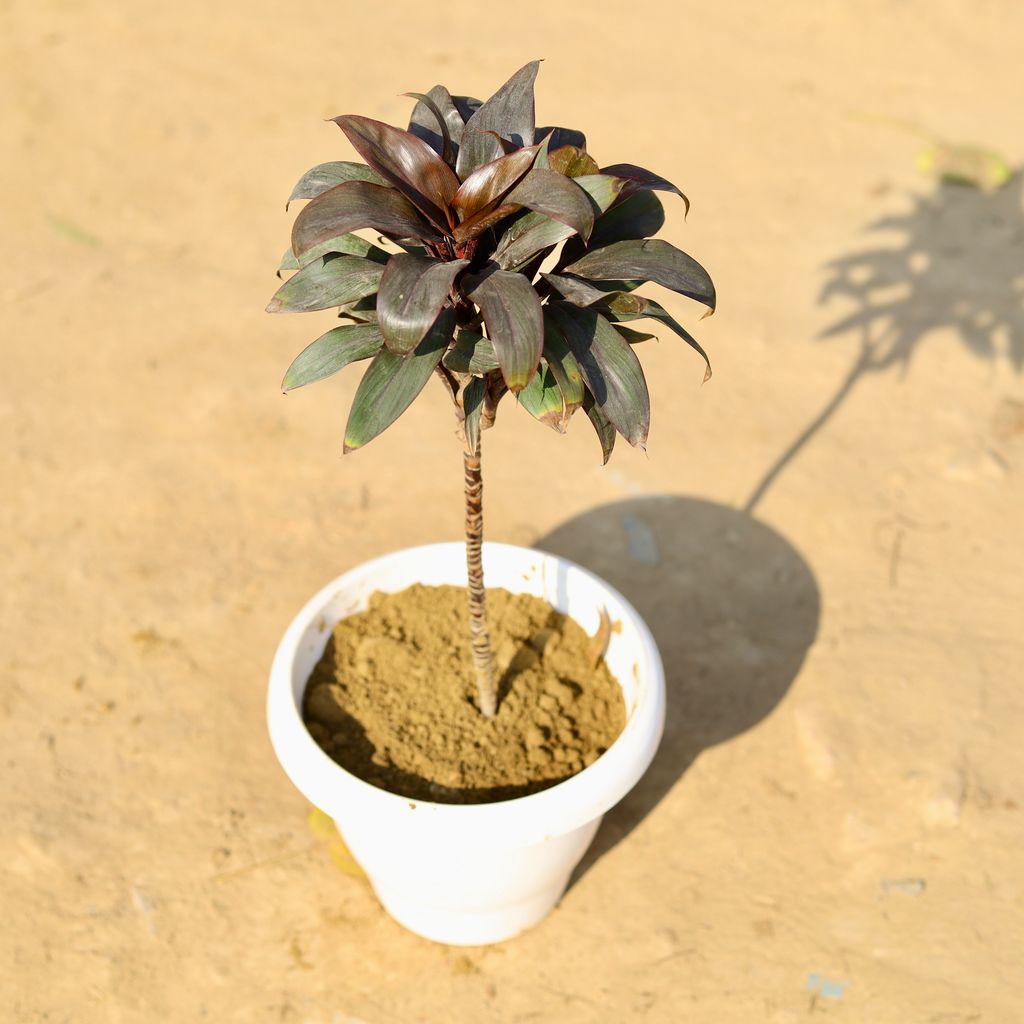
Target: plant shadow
(733,608)
(952,261)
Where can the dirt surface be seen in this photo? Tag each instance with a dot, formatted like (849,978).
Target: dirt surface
(833,827)
(393,699)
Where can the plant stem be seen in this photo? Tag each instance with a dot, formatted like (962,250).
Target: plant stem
(480,637)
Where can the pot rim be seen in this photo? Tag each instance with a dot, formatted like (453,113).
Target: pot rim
(556,810)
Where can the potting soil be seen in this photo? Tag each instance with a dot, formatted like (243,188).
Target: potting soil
(393,699)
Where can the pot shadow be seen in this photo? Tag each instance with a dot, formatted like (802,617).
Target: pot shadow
(733,608)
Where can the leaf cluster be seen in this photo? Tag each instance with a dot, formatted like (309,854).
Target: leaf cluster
(470,204)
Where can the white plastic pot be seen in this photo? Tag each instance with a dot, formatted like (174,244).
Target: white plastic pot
(476,873)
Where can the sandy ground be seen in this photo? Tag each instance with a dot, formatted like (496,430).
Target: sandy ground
(834,826)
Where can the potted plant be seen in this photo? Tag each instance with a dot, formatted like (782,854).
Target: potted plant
(506,261)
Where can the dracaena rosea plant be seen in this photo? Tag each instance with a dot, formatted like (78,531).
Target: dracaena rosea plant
(468,205)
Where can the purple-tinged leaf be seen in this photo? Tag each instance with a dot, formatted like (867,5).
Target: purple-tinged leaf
(509,113)
(411,294)
(649,259)
(555,138)
(391,382)
(471,353)
(467,106)
(483,220)
(556,196)
(406,161)
(505,148)
(447,151)
(564,366)
(353,205)
(456,110)
(332,352)
(535,232)
(542,399)
(472,406)
(639,178)
(319,179)
(572,161)
(489,182)
(512,312)
(331,282)
(610,369)
(602,426)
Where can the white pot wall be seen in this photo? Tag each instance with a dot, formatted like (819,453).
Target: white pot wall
(476,873)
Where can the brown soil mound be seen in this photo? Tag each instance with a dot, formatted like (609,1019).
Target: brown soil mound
(393,698)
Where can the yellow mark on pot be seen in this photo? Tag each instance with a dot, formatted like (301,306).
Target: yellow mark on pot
(325,830)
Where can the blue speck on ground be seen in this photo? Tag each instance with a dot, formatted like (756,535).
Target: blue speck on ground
(826,987)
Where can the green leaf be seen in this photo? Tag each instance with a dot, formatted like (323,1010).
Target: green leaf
(319,179)
(542,399)
(515,324)
(391,382)
(564,366)
(509,113)
(534,232)
(633,337)
(556,196)
(349,244)
(406,161)
(526,237)
(572,161)
(640,215)
(588,293)
(488,184)
(331,282)
(640,178)
(288,262)
(649,259)
(472,406)
(641,308)
(353,205)
(411,294)
(576,289)
(610,368)
(332,352)
(363,311)
(471,353)
(602,425)
(603,189)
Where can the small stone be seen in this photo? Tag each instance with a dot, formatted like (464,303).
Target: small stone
(535,736)
(325,704)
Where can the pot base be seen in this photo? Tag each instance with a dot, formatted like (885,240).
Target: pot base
(443,913)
